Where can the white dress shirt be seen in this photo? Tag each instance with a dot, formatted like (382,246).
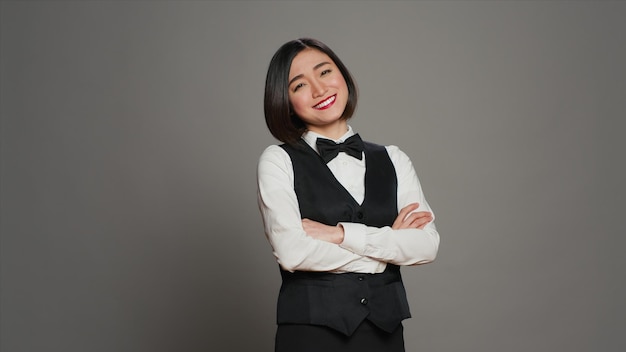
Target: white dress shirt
(364,249)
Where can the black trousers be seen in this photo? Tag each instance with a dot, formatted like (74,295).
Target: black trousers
(313,338)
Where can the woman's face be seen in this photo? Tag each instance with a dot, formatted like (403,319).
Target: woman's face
(317,91)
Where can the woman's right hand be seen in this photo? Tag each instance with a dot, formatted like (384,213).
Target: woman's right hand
(408,220)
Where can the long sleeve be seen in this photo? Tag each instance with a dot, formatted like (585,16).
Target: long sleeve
(293,249)
(401,247)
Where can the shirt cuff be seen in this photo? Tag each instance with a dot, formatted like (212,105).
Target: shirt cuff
(354,237)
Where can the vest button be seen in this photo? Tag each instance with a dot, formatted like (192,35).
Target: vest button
(363,301)
(359,215)
(361,278)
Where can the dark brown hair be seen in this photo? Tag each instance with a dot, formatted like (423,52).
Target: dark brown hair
(285,125)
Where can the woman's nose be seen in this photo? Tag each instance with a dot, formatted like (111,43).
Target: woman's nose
(318,89)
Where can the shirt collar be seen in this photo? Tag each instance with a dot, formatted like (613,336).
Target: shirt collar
(311,137)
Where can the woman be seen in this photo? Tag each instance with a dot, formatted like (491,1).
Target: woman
(340,214)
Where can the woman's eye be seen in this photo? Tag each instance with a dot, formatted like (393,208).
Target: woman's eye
(298,86)
(325,72)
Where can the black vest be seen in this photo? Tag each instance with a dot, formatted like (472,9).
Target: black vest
(343,301)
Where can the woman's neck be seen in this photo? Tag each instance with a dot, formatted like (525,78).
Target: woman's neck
(334,131)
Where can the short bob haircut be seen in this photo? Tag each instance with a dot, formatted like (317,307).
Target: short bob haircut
(282,123)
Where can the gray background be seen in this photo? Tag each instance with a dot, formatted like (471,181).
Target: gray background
(130,135)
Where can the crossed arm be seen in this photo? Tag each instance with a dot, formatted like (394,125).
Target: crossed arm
(307,245)
(407,219)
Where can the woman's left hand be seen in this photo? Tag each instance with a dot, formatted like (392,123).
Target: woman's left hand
(317,230)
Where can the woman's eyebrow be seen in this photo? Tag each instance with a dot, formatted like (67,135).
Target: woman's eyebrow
(295,78)
(321,64)
(314,68)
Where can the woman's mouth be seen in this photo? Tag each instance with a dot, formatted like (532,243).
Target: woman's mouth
(326,103)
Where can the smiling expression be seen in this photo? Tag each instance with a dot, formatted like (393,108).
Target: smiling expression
(318,92)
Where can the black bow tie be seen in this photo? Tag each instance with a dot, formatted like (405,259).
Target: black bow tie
(328,149)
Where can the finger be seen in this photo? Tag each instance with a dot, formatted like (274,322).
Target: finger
(421,222)
(415,220)
(417,215)
(309,222)
(308,225)
(407,209)
(403,214)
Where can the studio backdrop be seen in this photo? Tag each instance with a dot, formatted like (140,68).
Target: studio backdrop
(131,131)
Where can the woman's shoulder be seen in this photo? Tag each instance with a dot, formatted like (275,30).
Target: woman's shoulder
(272,148)
(392,148)
(396,154)
(274,154)
(274,163)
